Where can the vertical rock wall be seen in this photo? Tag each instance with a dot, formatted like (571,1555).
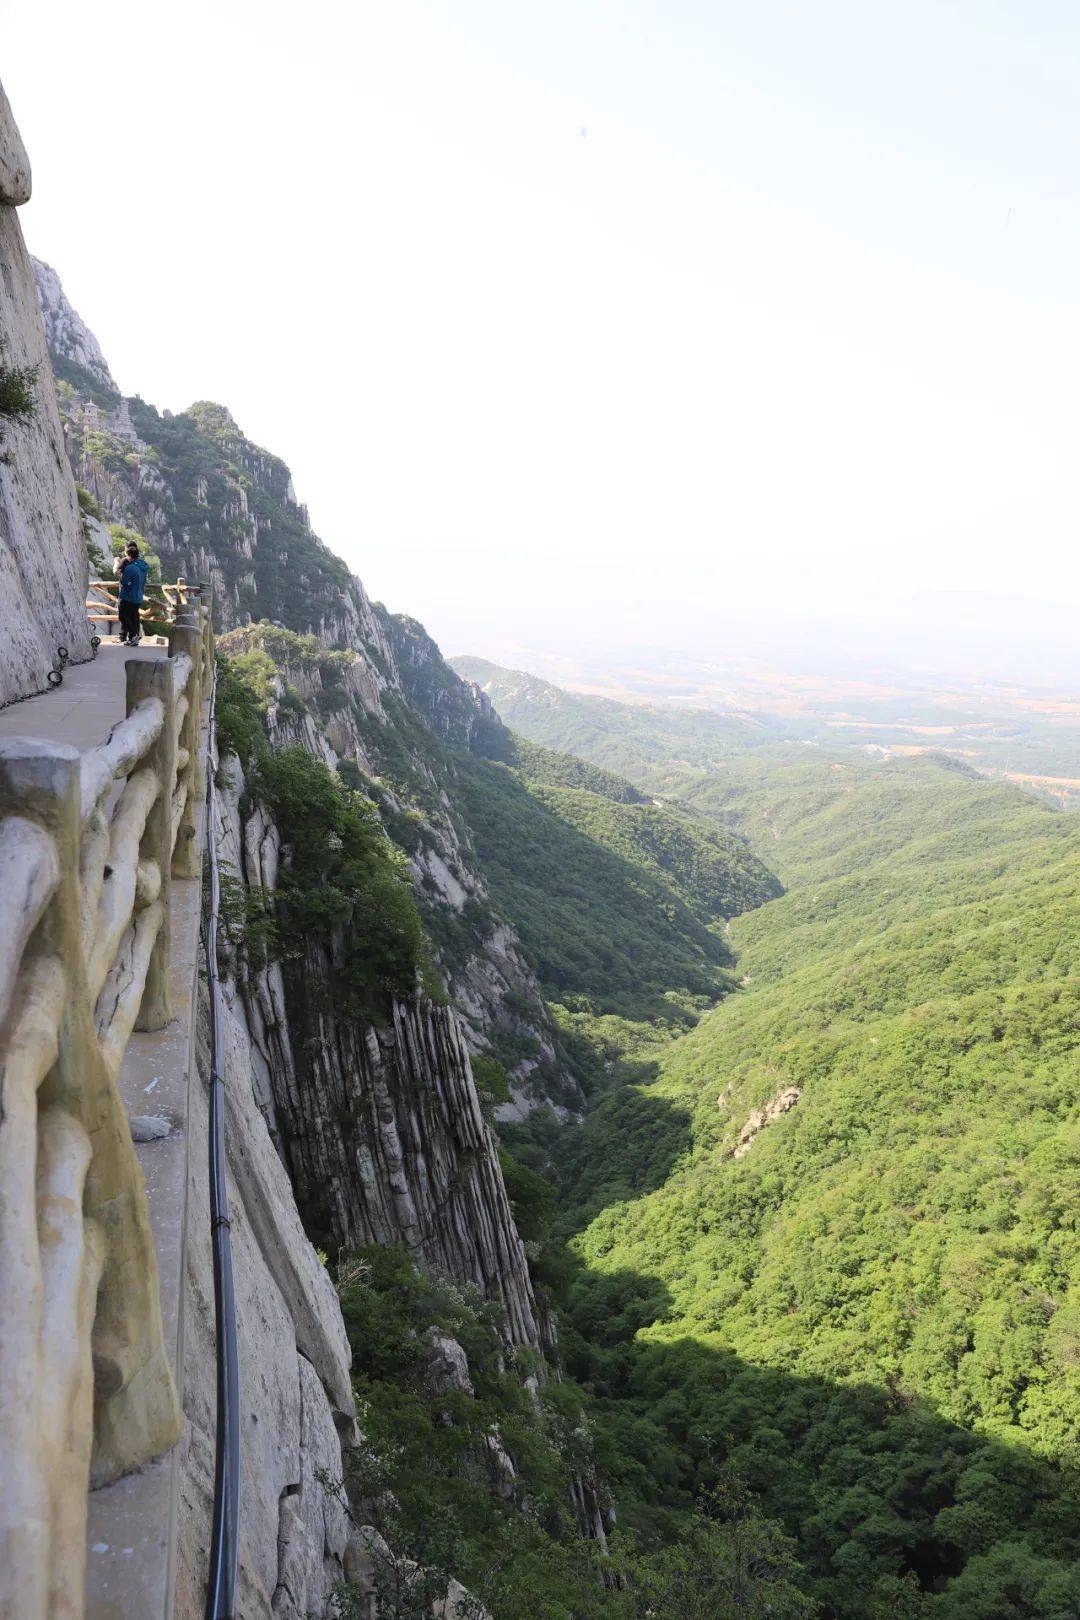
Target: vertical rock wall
(387,1144)
(381,1128)
(295,1396)
(377,1136)
(42,552)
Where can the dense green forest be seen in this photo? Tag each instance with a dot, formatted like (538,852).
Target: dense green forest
(473,1474)
(621,906)
(870,1317)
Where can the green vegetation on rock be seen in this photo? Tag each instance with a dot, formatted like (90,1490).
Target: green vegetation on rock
(342,884)
(18,401)
(208,466)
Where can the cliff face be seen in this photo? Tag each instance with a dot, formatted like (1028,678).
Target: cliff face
(296,1398)
(359,1132)
(380,1125)
(42,553)
(361,1135)
(215,506)
(71,343)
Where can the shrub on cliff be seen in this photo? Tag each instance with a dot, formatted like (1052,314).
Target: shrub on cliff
(239,716)
(17,402)
(343,884)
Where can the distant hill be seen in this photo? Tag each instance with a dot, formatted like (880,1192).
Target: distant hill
(625,737)
(1031,735)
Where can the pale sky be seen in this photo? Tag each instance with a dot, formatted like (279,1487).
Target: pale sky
(581,319)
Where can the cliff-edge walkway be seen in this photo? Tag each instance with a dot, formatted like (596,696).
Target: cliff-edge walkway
(101,786)
(82,710)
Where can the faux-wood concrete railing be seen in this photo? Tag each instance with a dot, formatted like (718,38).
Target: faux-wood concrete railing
(88,847)
(164,600)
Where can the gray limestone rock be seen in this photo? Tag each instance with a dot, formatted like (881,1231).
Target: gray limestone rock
(40,609)
(448,1365)
(383,1132)
(14,163)
(149,1127)
(68,336)
(782,1103)
(296,1398)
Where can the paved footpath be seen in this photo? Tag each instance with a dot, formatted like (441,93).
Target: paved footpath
(84,709)
(131,1524)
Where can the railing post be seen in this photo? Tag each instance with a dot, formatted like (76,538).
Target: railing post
(47,1259)
(82,1357)
(185,638)
(153,677)
(206,604)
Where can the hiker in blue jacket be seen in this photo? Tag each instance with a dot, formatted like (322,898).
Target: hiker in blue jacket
(133,573)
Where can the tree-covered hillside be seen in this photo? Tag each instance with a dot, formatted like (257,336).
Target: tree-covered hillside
(830,1244)
(620,905)
(626,737)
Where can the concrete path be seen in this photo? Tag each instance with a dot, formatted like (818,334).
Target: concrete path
(85,708)
(131,1525)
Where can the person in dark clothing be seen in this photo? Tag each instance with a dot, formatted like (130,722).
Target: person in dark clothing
(133,575)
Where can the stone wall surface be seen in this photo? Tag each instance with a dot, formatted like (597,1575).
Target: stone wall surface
(43,570)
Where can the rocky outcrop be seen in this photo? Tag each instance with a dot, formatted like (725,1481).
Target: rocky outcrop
(404,1587)
(386,1142)
(782,1103)
(448,1366)
(14,163)
(42,554)
(380,1127)
(68,337)
(456,710)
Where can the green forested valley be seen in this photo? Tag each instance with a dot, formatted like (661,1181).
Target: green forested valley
(868,1312)
(812,1249)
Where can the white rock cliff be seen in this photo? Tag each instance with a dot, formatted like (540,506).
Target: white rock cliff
(43,569)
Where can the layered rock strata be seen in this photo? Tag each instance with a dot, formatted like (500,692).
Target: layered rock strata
(381,1127)
(387,1144)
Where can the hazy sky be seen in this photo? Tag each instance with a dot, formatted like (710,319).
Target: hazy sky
(612,319)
